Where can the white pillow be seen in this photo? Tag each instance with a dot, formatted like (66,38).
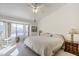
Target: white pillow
(46,34)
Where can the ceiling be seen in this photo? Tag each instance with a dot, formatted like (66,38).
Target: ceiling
(24,10)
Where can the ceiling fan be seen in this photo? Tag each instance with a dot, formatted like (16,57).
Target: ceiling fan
(36,6)
(35,9)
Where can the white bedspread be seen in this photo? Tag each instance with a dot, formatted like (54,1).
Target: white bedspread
(63,53)
(45,46)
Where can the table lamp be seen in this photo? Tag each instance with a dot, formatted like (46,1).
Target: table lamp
(72,32)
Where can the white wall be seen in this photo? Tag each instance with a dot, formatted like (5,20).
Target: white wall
(61,20)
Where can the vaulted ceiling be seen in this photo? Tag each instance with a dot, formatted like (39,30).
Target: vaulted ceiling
(24,10)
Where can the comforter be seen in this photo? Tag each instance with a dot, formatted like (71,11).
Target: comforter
(45,46)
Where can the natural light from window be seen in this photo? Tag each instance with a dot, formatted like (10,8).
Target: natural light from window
(18,29)
(2,30)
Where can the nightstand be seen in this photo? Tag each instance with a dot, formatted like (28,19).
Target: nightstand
(71,48)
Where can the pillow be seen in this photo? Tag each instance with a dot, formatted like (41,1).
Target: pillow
(46,34)
(59,36)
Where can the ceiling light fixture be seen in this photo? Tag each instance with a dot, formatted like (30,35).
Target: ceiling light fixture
(35,7)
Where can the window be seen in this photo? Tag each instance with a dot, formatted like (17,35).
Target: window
(19,29)
(13,29)
(16,29)
(1,26)
(2,30)
(27,30)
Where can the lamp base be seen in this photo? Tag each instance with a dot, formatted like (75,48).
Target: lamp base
(72,36)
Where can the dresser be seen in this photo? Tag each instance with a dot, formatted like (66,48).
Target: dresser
(71,47)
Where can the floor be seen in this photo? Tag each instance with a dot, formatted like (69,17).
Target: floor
(63,53)
(18,49)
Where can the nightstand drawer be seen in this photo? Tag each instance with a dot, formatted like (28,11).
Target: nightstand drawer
(71,47)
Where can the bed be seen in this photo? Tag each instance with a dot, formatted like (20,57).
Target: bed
(45,45)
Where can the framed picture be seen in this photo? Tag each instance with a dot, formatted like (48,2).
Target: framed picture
(34,28)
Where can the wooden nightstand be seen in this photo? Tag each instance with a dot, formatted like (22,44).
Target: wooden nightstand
(71,48)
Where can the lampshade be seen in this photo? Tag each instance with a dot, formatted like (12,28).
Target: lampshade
(73,31)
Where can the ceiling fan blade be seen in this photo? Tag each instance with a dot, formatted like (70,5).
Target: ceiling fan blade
(39,5)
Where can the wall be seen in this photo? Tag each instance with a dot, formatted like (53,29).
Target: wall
(61,20)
